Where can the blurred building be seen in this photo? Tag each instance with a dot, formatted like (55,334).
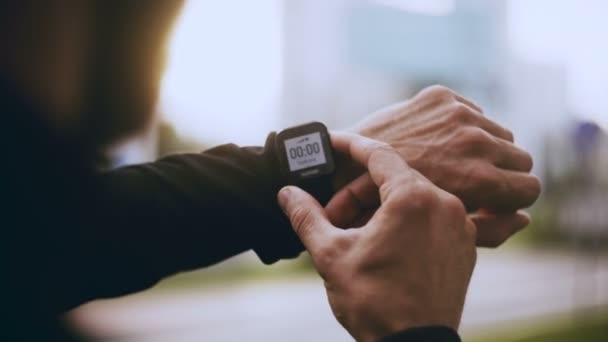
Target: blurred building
(337,61)
(344,59)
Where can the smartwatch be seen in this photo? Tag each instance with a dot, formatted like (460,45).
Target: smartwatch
(306,159)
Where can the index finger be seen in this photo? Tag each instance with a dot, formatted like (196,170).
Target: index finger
(383,162)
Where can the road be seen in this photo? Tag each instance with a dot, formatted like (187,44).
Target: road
(508,287)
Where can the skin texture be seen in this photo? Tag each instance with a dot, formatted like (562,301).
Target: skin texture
(408,266)
(447,138)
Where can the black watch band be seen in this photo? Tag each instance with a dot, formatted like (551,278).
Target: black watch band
(321,188)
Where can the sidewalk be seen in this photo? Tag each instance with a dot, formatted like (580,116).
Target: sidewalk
(508,287)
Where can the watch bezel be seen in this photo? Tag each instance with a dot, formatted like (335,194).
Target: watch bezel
(308,173)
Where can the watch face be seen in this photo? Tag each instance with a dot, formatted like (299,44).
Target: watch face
(305,151)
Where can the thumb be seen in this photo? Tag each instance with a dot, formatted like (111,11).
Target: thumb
(306,216)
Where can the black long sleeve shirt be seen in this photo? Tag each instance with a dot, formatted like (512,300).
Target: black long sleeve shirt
(72,234)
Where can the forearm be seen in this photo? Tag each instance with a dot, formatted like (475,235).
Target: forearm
(224,194)
(182,212)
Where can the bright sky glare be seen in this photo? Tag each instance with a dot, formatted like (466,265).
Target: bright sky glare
(224,74)
(224,71)
(569,33)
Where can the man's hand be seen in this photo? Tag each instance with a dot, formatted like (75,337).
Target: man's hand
(408,266)
(447,139)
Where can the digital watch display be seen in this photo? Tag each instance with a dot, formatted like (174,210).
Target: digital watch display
(305,152)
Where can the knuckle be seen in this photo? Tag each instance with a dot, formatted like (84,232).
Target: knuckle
(328,253)
(381,149)
(377,152)
(483,177)
(476,136)
(324,258)
(509,135)
(454,205)
(528,163)
(301,219)
(471,229)
(535,188)
(418,196)
(395,188)
(438,90)
(530,191)
(460,112)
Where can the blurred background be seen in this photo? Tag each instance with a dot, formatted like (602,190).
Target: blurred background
(240,69)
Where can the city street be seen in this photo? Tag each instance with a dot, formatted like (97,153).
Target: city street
(509,287)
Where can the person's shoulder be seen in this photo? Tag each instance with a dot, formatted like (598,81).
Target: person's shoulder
(22,125)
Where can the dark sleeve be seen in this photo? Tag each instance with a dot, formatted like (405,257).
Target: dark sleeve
(123,230)
(71,234)
(219,202)
(425,334)
(184,212)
